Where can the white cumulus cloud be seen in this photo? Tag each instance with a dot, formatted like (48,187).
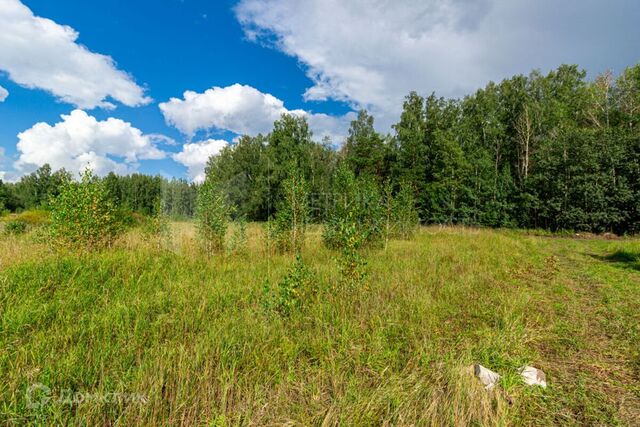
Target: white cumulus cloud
(243,110)
(37,52)
(238,108)
(3,94)
(373,53)
(80,141)
(195,156)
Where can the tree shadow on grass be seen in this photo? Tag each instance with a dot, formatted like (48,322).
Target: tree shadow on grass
(622,259)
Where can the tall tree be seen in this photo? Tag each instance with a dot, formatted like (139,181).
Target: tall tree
(364,150)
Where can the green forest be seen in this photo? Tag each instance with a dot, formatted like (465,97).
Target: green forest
(556,152)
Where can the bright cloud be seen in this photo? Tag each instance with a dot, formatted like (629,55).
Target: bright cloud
(373,53)
(240,109)
(39,53)
(80,141)
(3,94)
(195,156)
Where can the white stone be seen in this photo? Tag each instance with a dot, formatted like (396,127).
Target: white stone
(487,377)
(533,376)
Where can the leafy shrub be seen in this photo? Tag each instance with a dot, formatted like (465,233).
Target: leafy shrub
(352,264)
(287,229)
(212,213)
(405,213)
(84,215)
(157,226)
(238,241)
(15,227)
(357,215)
(293,291)
(401,215)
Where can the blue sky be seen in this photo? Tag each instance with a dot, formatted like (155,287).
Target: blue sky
(245,62)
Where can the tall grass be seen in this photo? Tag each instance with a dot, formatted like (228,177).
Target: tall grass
(190,333)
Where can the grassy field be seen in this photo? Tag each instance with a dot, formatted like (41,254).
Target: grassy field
(172,337)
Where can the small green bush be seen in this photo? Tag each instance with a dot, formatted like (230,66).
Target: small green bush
(357,216)
(212,214)
(401,215)
(156,226)
(352,264)
(293,291)
(238,241)
(287,230)
(15,227)
(84,215)
(405,213)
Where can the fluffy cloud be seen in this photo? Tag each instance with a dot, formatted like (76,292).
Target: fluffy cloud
(372,54)
(195,156)
(238,108)
(241,109)
(80,141)
(3,94)
(39,53)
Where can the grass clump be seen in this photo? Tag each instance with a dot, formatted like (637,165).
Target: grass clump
(15,227)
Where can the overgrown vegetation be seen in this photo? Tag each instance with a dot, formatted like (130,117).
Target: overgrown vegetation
(287,229)
(156,226)
(212,214)
(238,241)
(190,333)
(356,215)
(84,215)
(135,193)
(294,291)
(15,227)
(400,213)
(385,337)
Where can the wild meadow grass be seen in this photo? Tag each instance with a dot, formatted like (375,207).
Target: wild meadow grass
(174,336)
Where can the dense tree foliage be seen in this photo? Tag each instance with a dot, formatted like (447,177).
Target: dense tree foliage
(136,193)
(553,151)
(36,189)
(253,170)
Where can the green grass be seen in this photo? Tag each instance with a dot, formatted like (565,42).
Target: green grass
(190,334)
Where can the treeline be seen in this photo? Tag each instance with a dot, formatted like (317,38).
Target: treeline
(136,193)
(540,151)
(551,151)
